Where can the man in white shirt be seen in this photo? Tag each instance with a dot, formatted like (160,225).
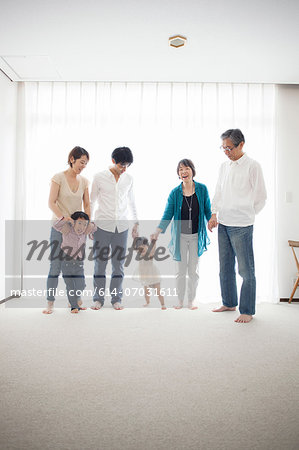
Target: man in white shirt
(240,194)
(112,190)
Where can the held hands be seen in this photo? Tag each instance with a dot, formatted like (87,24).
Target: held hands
(135,232)
(68,224)
(212,222)
(70,220)
(154,236)
(90,230)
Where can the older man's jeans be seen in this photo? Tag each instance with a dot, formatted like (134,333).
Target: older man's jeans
(236,242)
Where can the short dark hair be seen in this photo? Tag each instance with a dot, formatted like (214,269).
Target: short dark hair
(140,241)
(235,135)
(188,163)
(76,153)
(80,215)
(122,155)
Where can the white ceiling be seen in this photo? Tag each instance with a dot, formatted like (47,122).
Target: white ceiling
(127,40)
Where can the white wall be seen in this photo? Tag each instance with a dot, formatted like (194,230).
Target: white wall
(287,141)
(8,126)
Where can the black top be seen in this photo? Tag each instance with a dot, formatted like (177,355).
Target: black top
(194,214)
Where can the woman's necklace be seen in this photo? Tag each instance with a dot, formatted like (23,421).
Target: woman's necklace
(190,210)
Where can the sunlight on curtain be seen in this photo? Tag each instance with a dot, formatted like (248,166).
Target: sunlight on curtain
(161,123)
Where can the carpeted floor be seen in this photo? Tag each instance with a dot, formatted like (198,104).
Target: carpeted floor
(149,379)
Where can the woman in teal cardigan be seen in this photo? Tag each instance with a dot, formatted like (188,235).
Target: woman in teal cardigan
(189,206)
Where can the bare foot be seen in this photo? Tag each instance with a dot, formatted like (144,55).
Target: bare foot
(244,318)
(163,307)
(146,304)
(49,308)
(79,304)
(97,305)
(75,311)
(192,306)
(179,305)
(224,308)
(117,306)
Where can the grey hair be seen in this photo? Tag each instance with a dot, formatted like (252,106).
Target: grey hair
(235,135)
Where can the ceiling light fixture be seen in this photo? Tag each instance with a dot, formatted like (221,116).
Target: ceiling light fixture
(177,41)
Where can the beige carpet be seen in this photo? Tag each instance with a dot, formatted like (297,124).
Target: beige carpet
(149,379)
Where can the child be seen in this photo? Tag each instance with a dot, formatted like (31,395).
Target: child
(72,252)
(147,273)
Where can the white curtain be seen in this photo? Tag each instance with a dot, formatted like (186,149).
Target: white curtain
(161,123)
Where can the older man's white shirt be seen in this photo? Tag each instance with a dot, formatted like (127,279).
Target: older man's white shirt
(240,192)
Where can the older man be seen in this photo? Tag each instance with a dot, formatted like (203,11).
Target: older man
(240,195)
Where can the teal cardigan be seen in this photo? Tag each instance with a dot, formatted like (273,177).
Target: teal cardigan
(173,211)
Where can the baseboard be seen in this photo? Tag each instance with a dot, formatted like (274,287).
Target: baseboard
(287,299)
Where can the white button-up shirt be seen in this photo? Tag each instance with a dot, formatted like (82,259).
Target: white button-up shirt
(240,192)
(112,198)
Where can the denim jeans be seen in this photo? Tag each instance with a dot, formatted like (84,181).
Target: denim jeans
(187,266)
(108,245)
(236,242)
(55,264)
(73,275)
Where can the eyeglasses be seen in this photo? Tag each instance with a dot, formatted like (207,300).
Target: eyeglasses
(123,165)
(226,149)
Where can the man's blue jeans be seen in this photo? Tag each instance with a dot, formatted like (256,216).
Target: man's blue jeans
(108,245)
(236,242)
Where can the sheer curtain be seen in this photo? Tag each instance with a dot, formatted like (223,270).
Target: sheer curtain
(162,123)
